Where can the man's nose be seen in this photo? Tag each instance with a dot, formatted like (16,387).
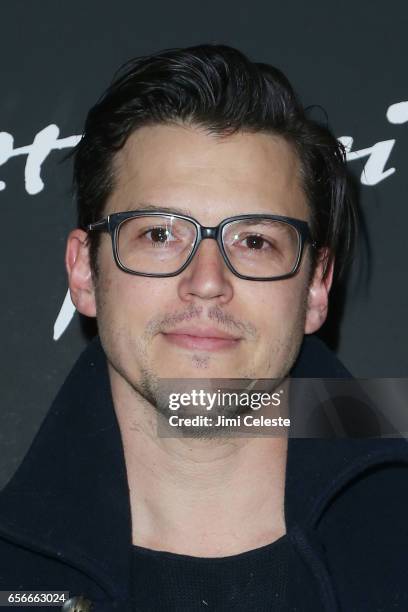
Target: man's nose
(207,276)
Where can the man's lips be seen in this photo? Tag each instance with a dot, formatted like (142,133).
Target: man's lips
(200,338)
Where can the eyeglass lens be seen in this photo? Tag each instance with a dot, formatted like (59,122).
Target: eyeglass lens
(162,244)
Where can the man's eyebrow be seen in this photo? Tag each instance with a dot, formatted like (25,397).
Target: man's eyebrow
(148,206)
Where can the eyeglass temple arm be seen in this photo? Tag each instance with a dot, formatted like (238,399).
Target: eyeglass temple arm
(101,225)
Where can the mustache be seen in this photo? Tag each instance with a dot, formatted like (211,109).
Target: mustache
(225,320)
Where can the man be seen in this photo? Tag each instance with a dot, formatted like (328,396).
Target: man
(212,213)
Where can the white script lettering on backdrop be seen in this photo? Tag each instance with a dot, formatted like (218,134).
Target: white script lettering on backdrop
(47,140)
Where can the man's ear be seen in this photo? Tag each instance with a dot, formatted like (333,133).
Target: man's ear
(78,267)
(318,293)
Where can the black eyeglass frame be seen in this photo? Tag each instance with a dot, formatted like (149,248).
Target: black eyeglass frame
(112,223)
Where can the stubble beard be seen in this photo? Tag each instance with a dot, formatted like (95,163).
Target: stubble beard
(150,388)
(150,391)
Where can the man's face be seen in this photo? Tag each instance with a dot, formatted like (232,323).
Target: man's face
(147,325)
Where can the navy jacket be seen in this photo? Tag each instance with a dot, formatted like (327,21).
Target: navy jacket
(65,519)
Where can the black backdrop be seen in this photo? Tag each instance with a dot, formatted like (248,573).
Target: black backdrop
(57,57)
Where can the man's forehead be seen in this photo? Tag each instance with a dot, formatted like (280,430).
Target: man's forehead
(174,167)
(193,146)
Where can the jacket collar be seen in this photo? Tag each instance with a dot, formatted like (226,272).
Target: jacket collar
(70,498)
(70,495)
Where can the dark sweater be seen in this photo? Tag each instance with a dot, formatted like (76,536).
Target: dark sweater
(167,581)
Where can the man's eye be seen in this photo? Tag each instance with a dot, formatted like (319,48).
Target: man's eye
(158,234)
(255,242)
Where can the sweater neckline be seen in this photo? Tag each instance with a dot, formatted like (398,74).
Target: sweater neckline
(141,551)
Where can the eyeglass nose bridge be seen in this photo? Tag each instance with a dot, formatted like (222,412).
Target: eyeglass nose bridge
(209,232)
(212,233)
(215,234)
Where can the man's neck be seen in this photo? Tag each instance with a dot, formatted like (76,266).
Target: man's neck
(199,497)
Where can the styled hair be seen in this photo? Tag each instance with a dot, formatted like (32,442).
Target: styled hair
(215,87)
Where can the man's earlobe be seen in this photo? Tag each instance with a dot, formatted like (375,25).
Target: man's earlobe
(318,293)
(78,267)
